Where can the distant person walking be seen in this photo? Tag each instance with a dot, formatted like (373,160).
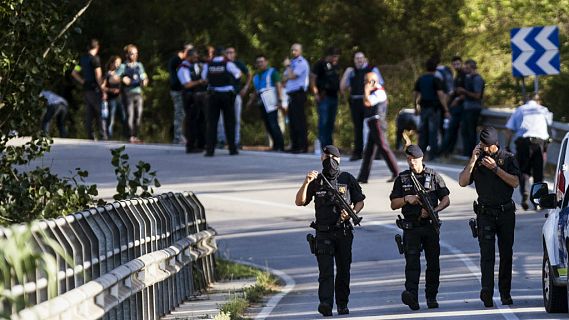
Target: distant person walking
(90,75)
(353,80)
(473,93)
(529,124)
(133,79)
(296,78)
(325,83)
(430,99)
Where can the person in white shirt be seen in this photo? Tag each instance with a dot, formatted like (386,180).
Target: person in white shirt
(528,125)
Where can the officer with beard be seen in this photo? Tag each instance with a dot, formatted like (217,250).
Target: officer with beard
(333,229)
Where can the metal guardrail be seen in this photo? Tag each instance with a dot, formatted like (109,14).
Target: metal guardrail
(497,117)
(133,259)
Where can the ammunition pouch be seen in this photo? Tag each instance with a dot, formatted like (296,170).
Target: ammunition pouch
(311,243)
(404,224)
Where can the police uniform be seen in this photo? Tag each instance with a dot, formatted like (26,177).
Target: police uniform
(495,215)
(296,90)
(333,242)
(419,233)
(194,100)
(529,123)
(221,75)
(377,137)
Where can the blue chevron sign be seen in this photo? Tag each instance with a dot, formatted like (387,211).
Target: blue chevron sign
(535,51)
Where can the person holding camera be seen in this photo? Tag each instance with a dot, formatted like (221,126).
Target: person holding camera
(375,103)
(334,235)
(418,229)
(495,173)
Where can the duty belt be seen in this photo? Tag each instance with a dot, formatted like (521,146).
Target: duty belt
(507,207)
(328,228)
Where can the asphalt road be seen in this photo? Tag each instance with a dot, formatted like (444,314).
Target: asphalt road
(249,200)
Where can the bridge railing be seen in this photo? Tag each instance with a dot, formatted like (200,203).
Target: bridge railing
(133,259)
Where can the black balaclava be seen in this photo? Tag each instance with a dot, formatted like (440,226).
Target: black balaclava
(331,168)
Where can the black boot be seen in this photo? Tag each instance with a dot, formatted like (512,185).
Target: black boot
(409,299)
(325,309)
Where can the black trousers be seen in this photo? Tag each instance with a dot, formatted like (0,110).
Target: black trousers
(334,245)
(221,101)
(490,226)
(297,120)
(377,141)
(357,110)
(530,160)
(425,237)
(195,124)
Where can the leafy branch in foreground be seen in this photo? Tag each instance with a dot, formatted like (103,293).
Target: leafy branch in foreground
(138,183)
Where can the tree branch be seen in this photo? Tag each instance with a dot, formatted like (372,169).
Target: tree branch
(79,14)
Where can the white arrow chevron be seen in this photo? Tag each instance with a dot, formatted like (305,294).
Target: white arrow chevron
(543,62)
(519,39)
(542,38)
(520,63)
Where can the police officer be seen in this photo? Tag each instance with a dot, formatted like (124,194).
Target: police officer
(418,231)
(495,175)
(221,75)
(529,125)
(333,230)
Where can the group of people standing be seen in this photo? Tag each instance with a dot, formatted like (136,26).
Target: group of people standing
(116,90)
(447,104)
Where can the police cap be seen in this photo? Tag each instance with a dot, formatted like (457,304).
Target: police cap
(489,136)
(330,149)
(414,151)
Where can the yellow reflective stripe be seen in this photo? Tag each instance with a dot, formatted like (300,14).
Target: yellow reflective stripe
(77,68)
(562,271)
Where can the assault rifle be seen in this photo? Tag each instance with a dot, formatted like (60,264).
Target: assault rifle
(342,202)
(424,197)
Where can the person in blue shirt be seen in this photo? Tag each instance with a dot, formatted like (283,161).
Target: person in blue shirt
(221,74)
(473,93)
(268,88)
(296,78)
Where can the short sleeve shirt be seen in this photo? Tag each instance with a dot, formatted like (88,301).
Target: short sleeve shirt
(491,189)
(428,85)
(327,77)
(327,212)
(431,180)
(87,66)
(474,83)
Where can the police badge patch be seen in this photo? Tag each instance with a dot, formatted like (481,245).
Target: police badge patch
(342,189)
(500,162)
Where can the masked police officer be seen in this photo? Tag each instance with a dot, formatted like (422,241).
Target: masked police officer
(495,174)
(333,230)
(418,230)
(529,125)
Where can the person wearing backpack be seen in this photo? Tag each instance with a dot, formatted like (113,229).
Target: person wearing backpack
(133,78)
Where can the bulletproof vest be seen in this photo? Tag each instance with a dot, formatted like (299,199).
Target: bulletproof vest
(357,81)
(218,75)
(134,74)
(195,75)
(327,208)
(427,180)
